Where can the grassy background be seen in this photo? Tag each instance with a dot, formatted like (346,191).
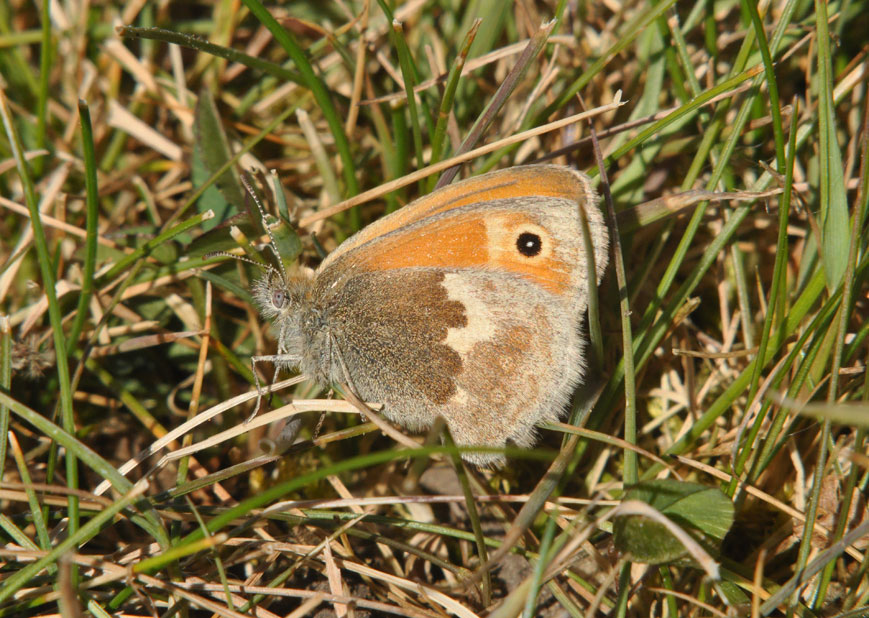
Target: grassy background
(745,315)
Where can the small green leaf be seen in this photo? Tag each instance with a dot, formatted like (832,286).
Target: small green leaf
(284,238)
(733,593)
(698,509)
(211,151)
(287,242)
(832,196)
(645,540)
(835,223)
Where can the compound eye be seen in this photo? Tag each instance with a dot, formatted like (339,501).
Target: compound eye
(279,298)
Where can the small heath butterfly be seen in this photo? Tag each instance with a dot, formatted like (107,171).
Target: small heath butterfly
(466,304)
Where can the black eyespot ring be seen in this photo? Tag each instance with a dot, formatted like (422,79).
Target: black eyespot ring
(279,298)
(529,244)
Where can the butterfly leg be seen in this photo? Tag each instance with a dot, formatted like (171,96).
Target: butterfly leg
(279,360)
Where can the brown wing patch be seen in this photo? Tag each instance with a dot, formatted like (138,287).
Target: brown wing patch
(391,328)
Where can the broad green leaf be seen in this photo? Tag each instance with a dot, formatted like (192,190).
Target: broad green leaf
(698,509)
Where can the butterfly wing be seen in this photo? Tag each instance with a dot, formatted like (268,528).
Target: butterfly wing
(536,181)
(467,311)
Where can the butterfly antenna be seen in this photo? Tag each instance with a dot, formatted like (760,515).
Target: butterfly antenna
(242,258)
(245,181)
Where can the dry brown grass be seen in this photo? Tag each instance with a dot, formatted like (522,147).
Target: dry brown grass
(738,316)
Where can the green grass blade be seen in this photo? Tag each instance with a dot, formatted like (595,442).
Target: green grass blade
(92,219)
(316,86)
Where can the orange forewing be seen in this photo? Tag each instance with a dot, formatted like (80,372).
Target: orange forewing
(461,241)
(514,182)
